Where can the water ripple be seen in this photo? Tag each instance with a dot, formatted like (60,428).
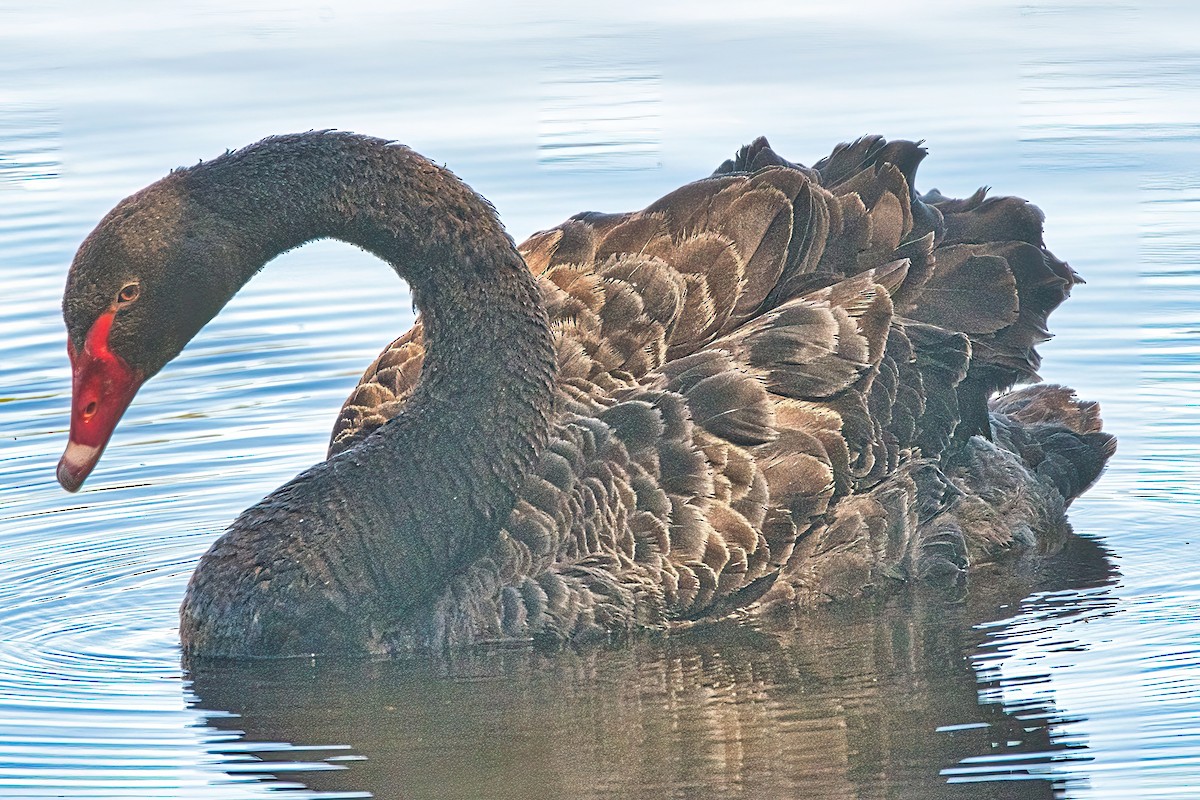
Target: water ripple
(1084,687)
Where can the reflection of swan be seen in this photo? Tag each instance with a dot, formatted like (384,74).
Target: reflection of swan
(828,705)
(764,386)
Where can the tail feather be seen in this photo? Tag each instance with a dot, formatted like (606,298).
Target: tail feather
(1073,462)
(1057,436)
(1052,404)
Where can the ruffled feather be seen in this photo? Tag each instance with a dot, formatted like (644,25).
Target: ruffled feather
(770,385)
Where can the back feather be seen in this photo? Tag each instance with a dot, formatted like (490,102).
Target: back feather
(773,388)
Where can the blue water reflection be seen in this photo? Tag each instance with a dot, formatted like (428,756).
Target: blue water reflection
(1081,681)
(849,703)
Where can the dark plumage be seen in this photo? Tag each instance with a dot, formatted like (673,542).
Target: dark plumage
(769,388)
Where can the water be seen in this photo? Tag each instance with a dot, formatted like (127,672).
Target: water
(1082,680)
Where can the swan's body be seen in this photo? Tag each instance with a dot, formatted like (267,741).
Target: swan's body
(770,387)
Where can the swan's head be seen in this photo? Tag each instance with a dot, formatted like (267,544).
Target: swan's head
(143,283)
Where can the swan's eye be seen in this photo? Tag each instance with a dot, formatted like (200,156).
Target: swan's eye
(128,293)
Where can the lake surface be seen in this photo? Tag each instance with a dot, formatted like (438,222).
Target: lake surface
(1081,680)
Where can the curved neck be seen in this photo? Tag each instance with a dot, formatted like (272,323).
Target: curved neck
(431,488)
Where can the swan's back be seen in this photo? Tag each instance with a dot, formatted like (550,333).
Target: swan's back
(773,387)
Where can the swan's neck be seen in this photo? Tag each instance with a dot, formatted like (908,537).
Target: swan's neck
(428,491)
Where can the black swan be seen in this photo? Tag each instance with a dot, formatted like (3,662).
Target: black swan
(773,387)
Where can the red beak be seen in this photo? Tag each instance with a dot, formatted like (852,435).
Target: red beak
(102,386)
